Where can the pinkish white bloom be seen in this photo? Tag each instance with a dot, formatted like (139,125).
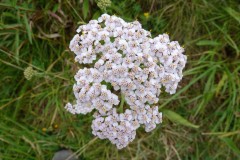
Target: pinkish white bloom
(121,58)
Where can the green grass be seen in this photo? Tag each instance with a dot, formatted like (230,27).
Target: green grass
(202,120)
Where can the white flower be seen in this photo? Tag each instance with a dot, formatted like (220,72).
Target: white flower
(74,46)
(104,17)
(127,62)
(121,58)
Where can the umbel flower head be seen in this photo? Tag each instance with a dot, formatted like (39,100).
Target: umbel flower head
(103,4)
(29,73)
(136,66)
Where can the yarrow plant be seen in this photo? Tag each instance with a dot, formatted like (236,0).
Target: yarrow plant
(123,62)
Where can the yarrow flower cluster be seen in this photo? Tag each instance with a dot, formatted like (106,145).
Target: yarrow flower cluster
(137,67)
(103,4)
(29,72)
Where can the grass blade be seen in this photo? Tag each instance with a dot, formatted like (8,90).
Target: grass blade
(174,117)
(28,28)
(85,8)
(233,13)
(231,145)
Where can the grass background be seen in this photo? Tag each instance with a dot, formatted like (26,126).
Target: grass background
(202,120)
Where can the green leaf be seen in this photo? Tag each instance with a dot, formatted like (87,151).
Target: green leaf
(17,46)
(221,83)
(96,15)
(231,145)
(28,28)
(55,8)
(85,8)
(174,117)
(233,13)
(208,43)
